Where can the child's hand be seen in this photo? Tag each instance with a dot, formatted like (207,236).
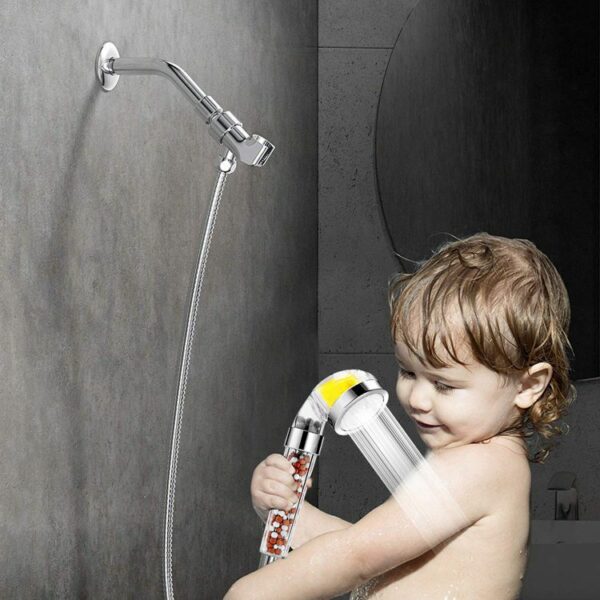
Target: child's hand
(273,484)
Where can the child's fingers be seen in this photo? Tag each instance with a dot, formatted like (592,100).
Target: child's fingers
(269,500)
(277,502)
(273,485)
(280,461)
(275,488)
(276,474)
(272,480)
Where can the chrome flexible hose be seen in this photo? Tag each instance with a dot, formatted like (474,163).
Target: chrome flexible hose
(227,165)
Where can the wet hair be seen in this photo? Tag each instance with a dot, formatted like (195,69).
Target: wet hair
(507,301)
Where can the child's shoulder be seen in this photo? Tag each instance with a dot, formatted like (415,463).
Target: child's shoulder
(486,469)
(503,453)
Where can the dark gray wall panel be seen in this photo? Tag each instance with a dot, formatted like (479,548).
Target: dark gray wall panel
(355,258)
(352,23)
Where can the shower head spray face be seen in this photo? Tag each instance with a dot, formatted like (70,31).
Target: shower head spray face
(351,399)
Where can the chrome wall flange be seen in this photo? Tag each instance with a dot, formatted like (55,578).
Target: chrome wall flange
(108,80)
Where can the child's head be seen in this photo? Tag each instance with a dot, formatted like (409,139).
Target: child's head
(488,317)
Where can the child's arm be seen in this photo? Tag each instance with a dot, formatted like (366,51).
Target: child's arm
(401,529)
(312,522)
(321,568)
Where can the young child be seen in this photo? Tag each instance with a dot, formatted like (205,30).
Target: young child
(480,337)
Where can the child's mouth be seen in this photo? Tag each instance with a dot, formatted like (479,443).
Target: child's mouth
(425,426)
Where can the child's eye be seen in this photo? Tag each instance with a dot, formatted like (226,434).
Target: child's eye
(442,388)
(438,385)
(405,374)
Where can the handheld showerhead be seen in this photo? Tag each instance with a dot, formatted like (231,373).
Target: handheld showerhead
(347,400)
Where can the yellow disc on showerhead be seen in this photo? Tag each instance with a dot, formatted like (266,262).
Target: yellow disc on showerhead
(332,389)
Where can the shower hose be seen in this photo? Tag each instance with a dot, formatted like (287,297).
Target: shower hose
(226,164)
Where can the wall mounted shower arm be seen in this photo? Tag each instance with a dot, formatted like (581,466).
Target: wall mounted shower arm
(224,127)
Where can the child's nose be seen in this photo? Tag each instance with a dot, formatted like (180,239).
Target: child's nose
(419,398)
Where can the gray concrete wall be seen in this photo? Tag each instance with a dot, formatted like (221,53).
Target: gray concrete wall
(355,261)
(103,197)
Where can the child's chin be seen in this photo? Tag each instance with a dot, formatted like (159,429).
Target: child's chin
(431,442)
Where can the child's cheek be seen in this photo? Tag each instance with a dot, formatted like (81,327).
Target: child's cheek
(460,414)
(399,392)
(402,391)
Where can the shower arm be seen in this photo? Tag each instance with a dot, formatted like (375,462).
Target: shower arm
(224,127)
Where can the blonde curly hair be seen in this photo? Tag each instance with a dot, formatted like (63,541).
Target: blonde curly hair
(513,312)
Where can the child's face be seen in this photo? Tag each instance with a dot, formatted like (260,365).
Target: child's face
(461,404)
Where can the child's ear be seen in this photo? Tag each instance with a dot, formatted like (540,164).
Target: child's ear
(533,383)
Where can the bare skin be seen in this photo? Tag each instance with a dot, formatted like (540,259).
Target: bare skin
(484,561)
